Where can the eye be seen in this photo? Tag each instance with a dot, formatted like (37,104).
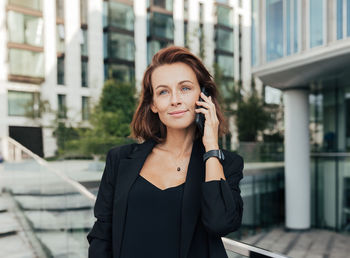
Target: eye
(162,91)
(186,88)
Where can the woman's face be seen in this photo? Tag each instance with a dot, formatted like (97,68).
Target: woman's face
(175,92)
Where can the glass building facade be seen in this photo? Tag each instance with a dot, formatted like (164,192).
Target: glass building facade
(119,45)
(330,144)
(224,45)
(160,26)
(322,26)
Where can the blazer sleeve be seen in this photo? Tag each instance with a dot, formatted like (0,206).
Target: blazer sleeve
(221,202)
(100,236)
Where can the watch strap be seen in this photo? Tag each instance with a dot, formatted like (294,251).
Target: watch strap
(214,153)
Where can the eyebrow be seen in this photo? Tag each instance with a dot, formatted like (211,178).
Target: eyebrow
(178,84)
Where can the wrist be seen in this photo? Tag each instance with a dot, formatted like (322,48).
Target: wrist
(211,147)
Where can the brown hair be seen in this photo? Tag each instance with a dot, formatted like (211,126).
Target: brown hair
(146,124)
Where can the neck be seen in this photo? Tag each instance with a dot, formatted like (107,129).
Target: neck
(179,142)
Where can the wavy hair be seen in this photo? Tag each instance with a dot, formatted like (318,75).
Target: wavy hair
(146,124)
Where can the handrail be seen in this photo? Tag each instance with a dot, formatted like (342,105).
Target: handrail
(79,187)
(330,154)
(248,250)
(229,244)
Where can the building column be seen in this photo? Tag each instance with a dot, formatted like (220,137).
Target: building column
(140,37)
(72,59)
(297,159)
(178,16)
(3,71)
(48,87)
(95,49)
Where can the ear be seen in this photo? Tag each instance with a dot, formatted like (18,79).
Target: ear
(154,108)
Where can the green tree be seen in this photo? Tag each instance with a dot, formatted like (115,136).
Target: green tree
(251,115)
(110,119)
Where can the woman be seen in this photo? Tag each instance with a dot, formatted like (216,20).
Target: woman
(160,198)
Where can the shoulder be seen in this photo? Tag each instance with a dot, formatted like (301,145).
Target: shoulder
(121,151)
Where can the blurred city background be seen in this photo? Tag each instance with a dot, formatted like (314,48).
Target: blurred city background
(70,74)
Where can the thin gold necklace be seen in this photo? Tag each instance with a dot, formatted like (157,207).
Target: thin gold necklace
(178,168)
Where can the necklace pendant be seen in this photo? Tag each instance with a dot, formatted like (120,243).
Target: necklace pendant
(178,168)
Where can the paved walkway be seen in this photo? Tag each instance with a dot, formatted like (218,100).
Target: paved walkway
(311,244)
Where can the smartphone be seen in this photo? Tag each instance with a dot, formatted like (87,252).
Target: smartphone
(200,118)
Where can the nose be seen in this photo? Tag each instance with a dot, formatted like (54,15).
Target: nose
(176,98)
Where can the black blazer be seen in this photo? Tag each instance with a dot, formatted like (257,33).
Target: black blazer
(210,210)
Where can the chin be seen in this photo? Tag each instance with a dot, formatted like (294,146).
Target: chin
(179,126)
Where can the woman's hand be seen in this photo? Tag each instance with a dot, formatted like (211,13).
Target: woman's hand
(211,125)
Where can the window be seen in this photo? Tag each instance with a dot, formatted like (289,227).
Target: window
(153,47)
(62,106)
(224,15)
(23,104)
(105,14)
(121,16)
(60,45)
(295,25)
(60,9)
(348,17)
(118,72)
(165,4)
(83,42)
(254,31)
(288,26)
(26,63)
(339,19)
(161,25)
(224,40)
(316,23)
(84,73)
(60,70)
(226,65)
(31,4)
(25,29)
(274,29)
(121,46)
(85,109)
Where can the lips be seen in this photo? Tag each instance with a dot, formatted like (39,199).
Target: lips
(178,112)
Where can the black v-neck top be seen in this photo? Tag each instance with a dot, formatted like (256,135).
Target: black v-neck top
(153,221)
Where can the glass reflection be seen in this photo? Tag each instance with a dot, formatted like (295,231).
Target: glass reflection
(25,29)
(226,65)
(121,16)
(160,25)
(121,46)
(26,63)
(339,19)
(224,40)
(274,29)
(316,23)
(224,15)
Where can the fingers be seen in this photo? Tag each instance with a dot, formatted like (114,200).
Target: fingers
(208,107)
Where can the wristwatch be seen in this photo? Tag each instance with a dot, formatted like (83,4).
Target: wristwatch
(214,153)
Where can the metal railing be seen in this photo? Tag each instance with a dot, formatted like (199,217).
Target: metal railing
(248,250)
(17,153)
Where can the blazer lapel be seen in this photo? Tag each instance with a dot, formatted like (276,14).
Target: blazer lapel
(191,196)
(128,170)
